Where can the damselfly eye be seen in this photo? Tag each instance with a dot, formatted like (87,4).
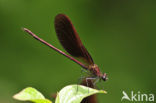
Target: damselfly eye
(104,77)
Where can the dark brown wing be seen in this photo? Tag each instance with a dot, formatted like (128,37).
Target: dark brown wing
(69,38)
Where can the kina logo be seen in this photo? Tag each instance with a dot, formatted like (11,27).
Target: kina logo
(138,96)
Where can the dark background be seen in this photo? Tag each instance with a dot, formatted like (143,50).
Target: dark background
(120,36)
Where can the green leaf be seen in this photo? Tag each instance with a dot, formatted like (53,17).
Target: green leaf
(31,94)
(75,93)
(57,99)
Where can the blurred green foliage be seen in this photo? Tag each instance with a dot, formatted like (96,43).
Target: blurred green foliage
(120,35)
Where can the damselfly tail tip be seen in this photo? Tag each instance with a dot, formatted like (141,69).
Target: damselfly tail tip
(24,29)
(28,31)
